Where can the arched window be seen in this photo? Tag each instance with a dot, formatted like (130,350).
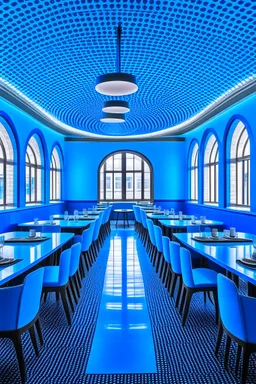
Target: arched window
(34,171)
(55,175)
(125,176)
(7,167)
(239,166)
(211,171)
(193,169)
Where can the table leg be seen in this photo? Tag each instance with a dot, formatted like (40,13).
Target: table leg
(116,219)
(124,218)
(126,214)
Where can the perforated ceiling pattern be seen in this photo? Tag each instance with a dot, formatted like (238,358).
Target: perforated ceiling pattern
(184,54)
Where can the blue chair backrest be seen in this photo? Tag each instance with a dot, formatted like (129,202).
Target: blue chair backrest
(151,231)
(75,258)
(137,209)
(143,216)
(108,213)
(97,226)
(51,229)
(231,311)
(135,212)
(166,249)
(30,297)
(64,269)
(105,216)
(175,257)
(87,235)
(158,237)
(186,267)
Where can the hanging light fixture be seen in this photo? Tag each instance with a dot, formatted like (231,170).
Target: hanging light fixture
(116,106)
(113,118)
(117,83)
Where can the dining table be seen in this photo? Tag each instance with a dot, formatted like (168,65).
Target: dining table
(74,226)
(169,227)
(24,253)
(80,217)
(228,254)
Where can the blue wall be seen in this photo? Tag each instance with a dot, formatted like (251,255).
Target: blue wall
(220,125)
(83,159)
(23,126)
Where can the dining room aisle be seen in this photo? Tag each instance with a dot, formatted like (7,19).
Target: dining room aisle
(123,341)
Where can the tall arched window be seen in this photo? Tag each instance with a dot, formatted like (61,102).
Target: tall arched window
(34,171)
(193,169)
(7,167)
(240,167)
(125,176)
(55,175)
(211,171)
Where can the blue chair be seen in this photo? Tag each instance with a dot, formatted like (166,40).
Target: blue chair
(20,312)
(145,237)
(195,280)
(237,319)
(152,248)
(138,219)
(74,276)
(56,279)
(86,242)
(166,268)
(176,270)
(159,245)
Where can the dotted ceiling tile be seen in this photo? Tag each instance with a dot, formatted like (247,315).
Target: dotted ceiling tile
(184,54)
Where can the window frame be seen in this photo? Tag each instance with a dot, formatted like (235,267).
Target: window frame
(36,168)
(236,161)
(195,168)
(8,162)
(54,172)
(124,172)
(211,165)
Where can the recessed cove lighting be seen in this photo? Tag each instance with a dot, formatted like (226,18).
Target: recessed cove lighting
(116,106)
(113,118)
(117,83)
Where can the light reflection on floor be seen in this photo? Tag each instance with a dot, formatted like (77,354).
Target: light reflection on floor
(123,340)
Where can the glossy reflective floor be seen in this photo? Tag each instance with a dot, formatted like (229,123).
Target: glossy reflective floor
(123,341)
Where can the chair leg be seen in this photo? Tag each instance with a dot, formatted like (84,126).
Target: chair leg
(173,283)
(72,287)
(57,296)
(179,293)
(65,305)
(182,299)
(186,308)
(76,285)
(227,349)
(39,331)
(238,355)
(33,339)
(70,299)
(246,356)
(215,297)
(219,337)
(16,338)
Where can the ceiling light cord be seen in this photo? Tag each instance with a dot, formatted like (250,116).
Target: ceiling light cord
(118,48)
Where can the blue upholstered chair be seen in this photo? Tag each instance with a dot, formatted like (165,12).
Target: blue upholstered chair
(96,241)
(21,306)
(56,279)
(195,280)
(176,270)
(159,245)
(138,219)
(237,319)
(152,249)
(166,267)
(145,237)
(74,276)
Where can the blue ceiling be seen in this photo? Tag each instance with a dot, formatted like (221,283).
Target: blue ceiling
(184,54)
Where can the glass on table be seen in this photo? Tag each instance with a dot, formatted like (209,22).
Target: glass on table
(254,248)
(167,212)
(203,218)
(32,233)
(193,219)
(36,221)
(51,219)
(1,245)
(172,213)
(66,216)
(180,215)
(226,233)
(233,232)
(85,212)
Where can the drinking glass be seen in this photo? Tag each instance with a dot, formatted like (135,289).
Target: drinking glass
(172,212)
(36,221)
(66,215)
(214,232)
(233,232)
(254,248)
(85,212)
(167,212)
(51,219)
(180,215)
(202,218)
(1,245)
(193,219)
(226,233)
(32,232)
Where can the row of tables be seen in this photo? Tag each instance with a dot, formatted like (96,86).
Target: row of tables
(31,254)
(225,255)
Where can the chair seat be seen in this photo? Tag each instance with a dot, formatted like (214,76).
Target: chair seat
(204,277)
(51,276)
(249,315)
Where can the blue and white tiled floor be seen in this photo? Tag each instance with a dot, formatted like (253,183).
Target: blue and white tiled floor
(182,355)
